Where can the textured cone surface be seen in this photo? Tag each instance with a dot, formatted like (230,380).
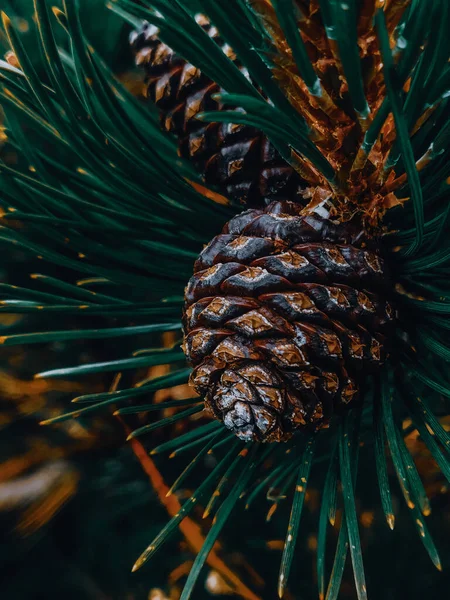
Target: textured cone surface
(284,316)
(238,159)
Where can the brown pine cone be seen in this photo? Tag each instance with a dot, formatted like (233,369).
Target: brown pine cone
(238,159)
(284,316)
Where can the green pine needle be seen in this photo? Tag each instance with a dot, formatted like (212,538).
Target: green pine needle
(164,422)
(380,462)
(286,17)
(86,334)
(187,507)
(350,516)
(296,512)
(327,507)
(394,95)
(160,357)
(221,519)
(212,438)
(178,443)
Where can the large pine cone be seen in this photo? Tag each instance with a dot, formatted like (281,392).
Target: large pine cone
(238,159)
(284,317)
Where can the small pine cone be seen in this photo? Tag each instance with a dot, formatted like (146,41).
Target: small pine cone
(238,159)
(284,316)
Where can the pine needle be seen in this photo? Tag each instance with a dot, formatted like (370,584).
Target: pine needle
(187,507)
(392,437)
(338,564)
(431,422)
(87,334)
(343,539)
(416,484)
(221,486)
(220,520)
(350,515)
(214,436)
(344,25)
(394,95)
(140,408)
(408,493)
(380,462)
(296,512)
(286,16)
(164,422)
(158,358)
(179,441)
(328,499)
(152,385)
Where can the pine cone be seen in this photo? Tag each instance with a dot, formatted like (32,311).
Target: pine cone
(284,316)
(238,159)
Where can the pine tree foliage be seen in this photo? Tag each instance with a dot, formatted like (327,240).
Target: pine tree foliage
(100,193)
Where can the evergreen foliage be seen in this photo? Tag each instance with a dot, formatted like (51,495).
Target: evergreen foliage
(116,219)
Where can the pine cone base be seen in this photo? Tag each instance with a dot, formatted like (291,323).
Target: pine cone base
(284,315)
